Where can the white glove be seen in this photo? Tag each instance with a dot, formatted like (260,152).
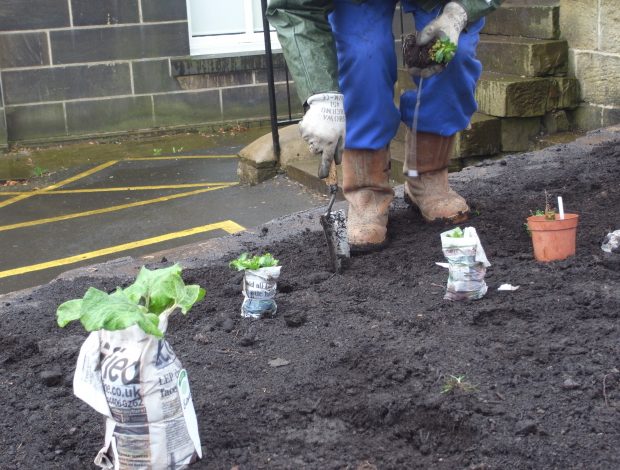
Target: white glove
(323,128)
(448,25)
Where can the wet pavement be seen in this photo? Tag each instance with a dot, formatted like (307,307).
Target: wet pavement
(132,203)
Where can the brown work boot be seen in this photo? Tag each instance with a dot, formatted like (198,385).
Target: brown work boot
(430,190)
(366,186)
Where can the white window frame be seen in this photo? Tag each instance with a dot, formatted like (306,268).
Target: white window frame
(246,43)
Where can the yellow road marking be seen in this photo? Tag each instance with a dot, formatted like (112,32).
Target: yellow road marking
(180,157)
(128,188)
(59,184)
(75,215)
(228,226)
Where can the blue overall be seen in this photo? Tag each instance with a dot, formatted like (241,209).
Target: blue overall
(368,71)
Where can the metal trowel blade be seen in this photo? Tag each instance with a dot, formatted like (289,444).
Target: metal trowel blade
(335,229)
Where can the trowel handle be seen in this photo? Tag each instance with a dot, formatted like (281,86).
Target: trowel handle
(332,178)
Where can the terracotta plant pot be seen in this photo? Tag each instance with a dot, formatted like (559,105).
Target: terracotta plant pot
(553,239)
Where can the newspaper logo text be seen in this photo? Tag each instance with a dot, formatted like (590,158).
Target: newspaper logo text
(116,366)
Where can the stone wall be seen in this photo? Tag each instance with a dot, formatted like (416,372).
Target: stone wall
(592,31)
(81,68)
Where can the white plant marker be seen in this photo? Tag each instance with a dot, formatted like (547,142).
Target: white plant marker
(561,207)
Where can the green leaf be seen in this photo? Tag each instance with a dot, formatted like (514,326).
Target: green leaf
(192,295)
(139,304)
(114,312)
(68,312)
(256,262)
(443,51)
(456,233)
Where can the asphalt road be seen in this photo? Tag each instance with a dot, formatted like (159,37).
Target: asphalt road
(132,207)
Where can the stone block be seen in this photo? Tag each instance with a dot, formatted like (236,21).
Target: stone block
(104,12)
(610,33)
(564,93)
(253,102)
(404,82)
(531,21)
(279,75)
(518,133)
(556,121)
(163,10)
(35,122)
(65,83)
(175,109)
(587,117)
(408,25)
(292,148)
(23,50)
(523,56)
(109,115)
(598,75)
(18,15)
(153,76)
(189,66)
(511,96)
(215,80)
(249,173)
(129,42)
(611,116)
(481,139)
(579,22)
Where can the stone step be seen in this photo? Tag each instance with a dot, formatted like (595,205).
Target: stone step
(538,19)
(523,56)
(482,138)
(513,96)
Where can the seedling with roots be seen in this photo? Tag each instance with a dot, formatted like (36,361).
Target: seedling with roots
(457,383)
(441,51)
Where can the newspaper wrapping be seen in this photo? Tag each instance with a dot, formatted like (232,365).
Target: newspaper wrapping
(467,265)
(138,383)
(259,290)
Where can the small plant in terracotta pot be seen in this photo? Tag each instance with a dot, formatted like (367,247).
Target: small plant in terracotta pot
(554,235)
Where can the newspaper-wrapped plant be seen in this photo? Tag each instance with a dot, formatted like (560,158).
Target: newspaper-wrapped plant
(467,264)
(129,373)
(261,273)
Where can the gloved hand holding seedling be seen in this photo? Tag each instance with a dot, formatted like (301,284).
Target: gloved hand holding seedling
(429,52)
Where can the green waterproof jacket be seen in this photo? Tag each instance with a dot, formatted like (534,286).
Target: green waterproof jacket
(308,44)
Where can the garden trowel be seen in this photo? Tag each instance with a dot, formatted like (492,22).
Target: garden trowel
(334,225)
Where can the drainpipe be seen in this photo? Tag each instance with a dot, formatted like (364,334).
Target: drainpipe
(271,83)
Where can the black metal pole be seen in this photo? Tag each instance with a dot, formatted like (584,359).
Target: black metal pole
(273,112)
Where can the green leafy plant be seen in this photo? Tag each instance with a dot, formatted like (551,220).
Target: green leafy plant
(255,262)
(157,152)
(153,293)
(443,51)
(177,149)
(39,171)
(457,383)
(456,233)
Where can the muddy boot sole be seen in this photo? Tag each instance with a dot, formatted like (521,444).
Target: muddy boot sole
(457,219)
(368,248)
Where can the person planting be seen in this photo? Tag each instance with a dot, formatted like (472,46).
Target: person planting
(342,58)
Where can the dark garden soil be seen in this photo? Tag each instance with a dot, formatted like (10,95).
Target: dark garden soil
(369,352)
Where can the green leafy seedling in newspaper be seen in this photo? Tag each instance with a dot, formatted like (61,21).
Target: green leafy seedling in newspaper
(142,303)
(261,273)
(128,372)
